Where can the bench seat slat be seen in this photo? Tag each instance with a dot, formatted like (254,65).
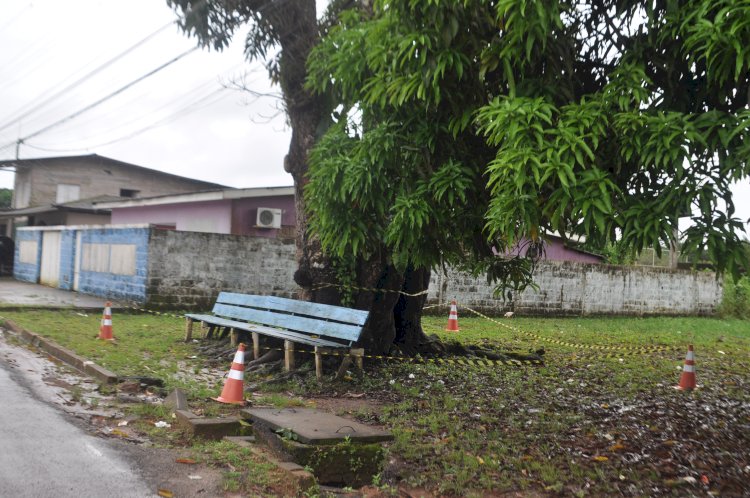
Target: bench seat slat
(198,317)
(290,322)
(281,334)
(321,311)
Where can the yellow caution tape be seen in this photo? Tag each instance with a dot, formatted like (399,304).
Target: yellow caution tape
(369,289)
(635,349)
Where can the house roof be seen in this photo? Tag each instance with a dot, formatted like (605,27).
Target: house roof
(97,159)
(80,205)
(203,196)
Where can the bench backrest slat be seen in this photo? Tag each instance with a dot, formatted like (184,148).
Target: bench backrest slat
(321,311)
(299,316)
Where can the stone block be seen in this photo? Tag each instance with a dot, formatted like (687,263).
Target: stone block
(342,464)
(209,428)
(177,400)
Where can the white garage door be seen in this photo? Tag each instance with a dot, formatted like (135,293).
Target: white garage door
(50,271)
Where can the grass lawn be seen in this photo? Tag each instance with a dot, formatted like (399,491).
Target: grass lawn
(600,418)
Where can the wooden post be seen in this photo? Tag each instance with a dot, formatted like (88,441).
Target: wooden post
(233,337)
(318,362)
(189,330)
(256,345)
(288,355)
(358,354)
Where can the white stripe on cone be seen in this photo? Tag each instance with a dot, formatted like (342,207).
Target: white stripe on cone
(236,374)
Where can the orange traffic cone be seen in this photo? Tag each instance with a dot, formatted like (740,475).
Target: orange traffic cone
(233,391)
(687,378)
(452,318)
(105,329)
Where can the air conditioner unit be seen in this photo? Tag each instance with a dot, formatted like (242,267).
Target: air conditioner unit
(269,218)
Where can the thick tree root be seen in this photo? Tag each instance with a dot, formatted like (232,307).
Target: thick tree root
(432,347)
(271,356)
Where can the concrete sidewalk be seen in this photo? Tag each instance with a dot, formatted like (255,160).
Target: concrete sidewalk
(16,293)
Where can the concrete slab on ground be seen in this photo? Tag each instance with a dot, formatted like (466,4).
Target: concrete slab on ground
(16,293)
(316,427)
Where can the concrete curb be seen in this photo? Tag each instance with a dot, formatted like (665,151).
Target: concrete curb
(63,354)
(305,479)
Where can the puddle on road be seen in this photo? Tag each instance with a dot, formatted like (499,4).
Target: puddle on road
(54,382)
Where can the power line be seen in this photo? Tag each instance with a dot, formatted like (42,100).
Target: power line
(87,76)
(206,101)
(151,115)
(185,109)
(19,141)
(102,100)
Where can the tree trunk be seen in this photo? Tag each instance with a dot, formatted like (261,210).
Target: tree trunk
(380,330)
(307,113)
(395,315)
(410,337)
(394,318)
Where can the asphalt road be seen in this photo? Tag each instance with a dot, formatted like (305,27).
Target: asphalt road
(42,454)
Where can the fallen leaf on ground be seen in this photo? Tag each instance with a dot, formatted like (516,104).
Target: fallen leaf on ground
(165,493)
(186,460)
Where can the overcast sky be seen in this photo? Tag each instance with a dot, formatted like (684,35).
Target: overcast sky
(182,119)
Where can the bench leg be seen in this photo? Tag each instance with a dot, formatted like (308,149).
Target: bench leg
(319,352)
(288,356)
(256,345)
(233,337)
(358,354)
(318,362)
(344,365)
(189,330)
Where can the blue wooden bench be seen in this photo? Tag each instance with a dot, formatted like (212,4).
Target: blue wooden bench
(327,328)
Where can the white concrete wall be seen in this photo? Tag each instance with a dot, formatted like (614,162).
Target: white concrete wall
(189,269)
(567,288)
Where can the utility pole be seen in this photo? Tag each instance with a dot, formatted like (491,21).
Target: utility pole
(18,147)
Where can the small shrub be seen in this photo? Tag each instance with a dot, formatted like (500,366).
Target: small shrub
(736,300)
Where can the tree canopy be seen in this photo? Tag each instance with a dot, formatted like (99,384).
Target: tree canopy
(466,126)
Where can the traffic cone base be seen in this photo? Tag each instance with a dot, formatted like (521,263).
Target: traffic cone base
(234,392)
(452,319)
(105,329)
(687,378)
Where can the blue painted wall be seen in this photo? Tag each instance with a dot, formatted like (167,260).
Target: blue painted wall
(110,285)
(28,272)
(105,284)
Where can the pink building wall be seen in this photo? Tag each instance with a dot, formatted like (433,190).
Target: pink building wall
(209,216)
(237,217)
(555,250)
